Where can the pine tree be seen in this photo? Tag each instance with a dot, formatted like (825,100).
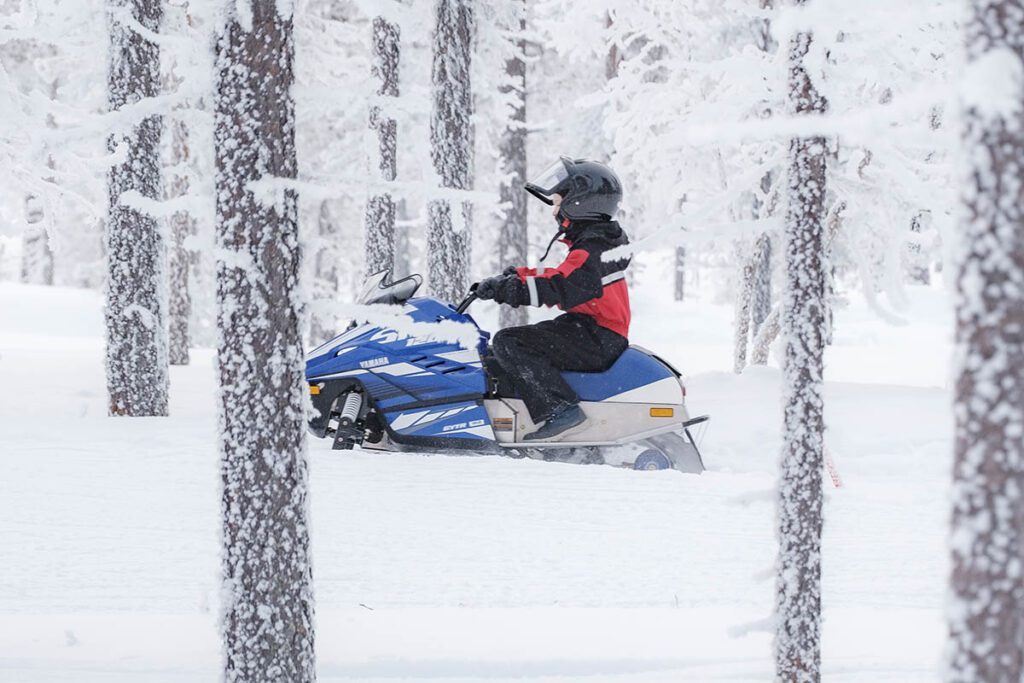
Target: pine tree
(986,615)
(451,138)
(267,616)
(136,322)
(380,210)
(798,586)
(513,240)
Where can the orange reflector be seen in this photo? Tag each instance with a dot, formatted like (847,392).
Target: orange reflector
(314,389)
(662,412)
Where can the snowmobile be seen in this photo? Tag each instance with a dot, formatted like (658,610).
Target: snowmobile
(384,389)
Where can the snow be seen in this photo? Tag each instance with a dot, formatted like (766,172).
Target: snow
(478,568)
(992,84)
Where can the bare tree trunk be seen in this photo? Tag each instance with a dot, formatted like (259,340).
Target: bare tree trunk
(513,240)
(37,266)
(744,293)
(613,59)
(182,225)
(766,335)
(761,300)
(267,620)
(380,210)
(403,259)
(680,273)
(36,255)
(986,611)
(798,584)
(764,205)
(916,260)
(325,283)
(451,137)
(136,306)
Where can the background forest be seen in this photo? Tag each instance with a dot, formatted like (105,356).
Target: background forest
(823,204)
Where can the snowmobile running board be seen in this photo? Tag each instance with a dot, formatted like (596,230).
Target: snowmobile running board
(622,442)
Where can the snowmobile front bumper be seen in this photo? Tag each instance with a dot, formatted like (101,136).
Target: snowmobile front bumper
(324,394)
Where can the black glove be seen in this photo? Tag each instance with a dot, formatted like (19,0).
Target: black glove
(487,289)
(511,270)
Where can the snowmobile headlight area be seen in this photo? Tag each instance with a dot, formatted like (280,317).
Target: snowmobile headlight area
(314,389)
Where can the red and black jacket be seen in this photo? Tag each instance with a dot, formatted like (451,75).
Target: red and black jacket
(583,282)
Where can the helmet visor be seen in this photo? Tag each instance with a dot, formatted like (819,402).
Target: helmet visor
(551,181)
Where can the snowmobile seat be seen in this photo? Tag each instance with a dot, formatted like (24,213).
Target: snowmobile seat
(633,369)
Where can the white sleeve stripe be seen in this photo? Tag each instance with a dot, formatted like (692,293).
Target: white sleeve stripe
(613,277)
(531,285)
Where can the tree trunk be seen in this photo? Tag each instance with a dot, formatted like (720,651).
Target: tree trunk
(451,138)
(36,255)
(182,225)
(513,241)
(916,259)
(744,294)
(37,267)
(267,620)
(986,612)
(136,302)
(798,584)
(761,299)
(325,283)
(380,210)
(403,246)
(680,273)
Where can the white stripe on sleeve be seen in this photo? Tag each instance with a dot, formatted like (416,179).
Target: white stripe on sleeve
(531,285)
(613,277)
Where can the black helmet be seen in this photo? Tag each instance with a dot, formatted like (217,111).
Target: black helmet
(589,190)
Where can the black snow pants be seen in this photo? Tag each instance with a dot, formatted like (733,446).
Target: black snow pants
(531,357)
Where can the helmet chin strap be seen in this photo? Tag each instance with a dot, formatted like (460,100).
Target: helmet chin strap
(563,224)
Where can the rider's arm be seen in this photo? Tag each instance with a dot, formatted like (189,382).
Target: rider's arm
(575,281)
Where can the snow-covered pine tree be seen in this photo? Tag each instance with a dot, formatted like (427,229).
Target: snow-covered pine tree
(986,614)
(380,209)
(267,618)
(451,136)
(513,240)
(798,583)
(136,323)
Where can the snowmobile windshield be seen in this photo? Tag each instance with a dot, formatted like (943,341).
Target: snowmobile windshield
(377,289)
(554,180)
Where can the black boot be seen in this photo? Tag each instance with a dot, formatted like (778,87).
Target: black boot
(563,420)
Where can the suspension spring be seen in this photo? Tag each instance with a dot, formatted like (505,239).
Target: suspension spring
(350,411)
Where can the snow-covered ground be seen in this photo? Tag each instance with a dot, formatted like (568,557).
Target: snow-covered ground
(477,568)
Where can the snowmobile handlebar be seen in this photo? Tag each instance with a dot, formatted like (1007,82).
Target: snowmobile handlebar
(470,298)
